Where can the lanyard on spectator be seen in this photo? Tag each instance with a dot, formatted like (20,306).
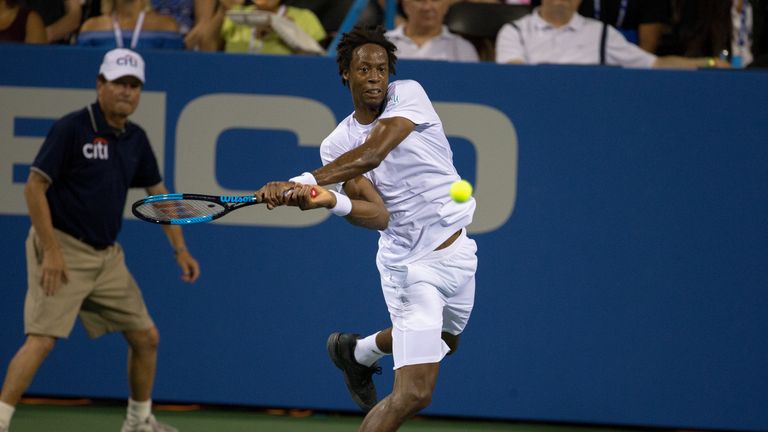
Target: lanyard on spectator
(622,11)
(742,41)
(136,31)
(737,59)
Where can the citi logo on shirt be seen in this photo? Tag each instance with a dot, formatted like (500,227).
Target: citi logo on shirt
(97,149)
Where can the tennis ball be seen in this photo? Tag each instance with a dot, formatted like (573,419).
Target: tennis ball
(461,191)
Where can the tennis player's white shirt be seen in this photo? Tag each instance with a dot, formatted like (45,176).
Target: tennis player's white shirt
(534,41)
(445,46)
(414,179)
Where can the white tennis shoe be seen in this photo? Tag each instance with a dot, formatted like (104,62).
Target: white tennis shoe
(149,425)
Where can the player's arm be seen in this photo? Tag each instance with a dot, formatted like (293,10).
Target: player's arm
(35,30)
(384,137)
(509,45)
(189,266)
(677,62)
(649,35)
(53,267)
(201,35)
(365,206)
(368,209)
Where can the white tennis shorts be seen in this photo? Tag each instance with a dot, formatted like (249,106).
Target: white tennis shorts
(432,295)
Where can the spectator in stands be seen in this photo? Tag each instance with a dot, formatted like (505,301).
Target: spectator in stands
(195,19)
(642,22)
(734,30)
(91,8)
(264,39)
(555,33)
(423,35)
(183,11)
(20,24)
(130,24)
(61,18)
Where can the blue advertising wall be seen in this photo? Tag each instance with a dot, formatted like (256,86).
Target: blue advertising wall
(622,230)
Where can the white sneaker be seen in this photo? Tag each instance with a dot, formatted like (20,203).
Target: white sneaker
(149,425)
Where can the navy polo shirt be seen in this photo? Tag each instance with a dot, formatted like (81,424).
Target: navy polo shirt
(91,166)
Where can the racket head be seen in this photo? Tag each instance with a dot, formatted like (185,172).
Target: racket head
(185,209)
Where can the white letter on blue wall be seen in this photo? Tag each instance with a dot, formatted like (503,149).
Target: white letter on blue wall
(205,118)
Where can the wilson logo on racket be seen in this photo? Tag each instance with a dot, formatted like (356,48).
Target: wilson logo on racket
(236,199)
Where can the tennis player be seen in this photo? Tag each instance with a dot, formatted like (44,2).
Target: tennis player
(388,166)
(76,194)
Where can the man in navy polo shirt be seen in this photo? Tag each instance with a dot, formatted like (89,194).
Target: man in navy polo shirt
(76,194)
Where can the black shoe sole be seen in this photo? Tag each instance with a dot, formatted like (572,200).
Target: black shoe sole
(333,342)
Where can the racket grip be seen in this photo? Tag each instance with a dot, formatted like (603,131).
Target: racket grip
(312,192)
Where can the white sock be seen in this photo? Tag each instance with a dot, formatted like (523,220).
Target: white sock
(366,350)
(139,411)
(6,412)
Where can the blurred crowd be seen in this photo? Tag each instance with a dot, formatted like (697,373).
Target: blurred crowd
(628,33)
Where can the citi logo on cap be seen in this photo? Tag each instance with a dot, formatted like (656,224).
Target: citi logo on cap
(127,60)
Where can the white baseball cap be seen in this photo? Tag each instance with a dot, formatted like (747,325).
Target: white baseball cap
(122,62)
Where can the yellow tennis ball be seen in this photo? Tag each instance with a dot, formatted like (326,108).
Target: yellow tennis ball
(461,191)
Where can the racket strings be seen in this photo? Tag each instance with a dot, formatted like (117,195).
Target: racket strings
(170,210)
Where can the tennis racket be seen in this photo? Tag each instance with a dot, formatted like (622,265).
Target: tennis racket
(184,209)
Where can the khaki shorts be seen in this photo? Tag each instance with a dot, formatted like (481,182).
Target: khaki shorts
(100,289)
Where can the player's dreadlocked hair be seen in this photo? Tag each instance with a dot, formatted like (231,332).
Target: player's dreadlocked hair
(358,36)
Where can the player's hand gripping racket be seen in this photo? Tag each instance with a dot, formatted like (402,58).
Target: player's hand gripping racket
(183,209)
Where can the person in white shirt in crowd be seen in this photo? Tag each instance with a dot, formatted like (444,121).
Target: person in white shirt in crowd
(423,35)
(555,33)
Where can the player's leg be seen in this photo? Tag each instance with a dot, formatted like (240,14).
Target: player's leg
(46,317)
(437,296)
(142,366)
(417,348)
(116,305)
(142,362)
(411,393)
(371,348)
(24,366)
(21,371)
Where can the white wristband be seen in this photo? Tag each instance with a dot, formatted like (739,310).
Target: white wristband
(305,178)
(343,205)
